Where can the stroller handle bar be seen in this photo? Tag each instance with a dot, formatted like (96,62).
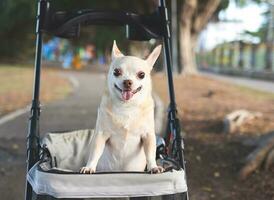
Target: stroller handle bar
(67,24)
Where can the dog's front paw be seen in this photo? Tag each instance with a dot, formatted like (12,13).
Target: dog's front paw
(157,170)
(87,170)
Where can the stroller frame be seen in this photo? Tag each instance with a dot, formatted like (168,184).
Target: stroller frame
(67,25)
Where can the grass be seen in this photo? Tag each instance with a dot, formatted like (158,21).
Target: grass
(16,83)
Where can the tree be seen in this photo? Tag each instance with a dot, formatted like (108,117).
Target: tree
(16,21)
(195,14)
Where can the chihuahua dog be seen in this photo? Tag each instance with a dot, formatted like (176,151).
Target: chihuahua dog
(124,137)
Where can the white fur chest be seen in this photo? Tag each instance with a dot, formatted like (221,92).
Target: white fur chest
(125,118)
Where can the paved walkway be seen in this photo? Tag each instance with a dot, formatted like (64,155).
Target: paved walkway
(266,86)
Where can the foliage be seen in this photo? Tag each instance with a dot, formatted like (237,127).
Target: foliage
(261,33)
(222,6)
(16,21)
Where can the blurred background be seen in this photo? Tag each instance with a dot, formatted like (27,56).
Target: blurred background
(223,62)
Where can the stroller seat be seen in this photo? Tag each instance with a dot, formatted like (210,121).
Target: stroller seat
(57,174)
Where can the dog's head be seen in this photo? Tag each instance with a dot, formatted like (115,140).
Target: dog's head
(129,77)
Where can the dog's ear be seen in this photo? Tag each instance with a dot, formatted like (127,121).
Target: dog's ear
(151,59)
(116,53)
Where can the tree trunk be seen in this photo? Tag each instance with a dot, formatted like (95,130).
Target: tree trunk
(186,41)
(268,56)
(270,40)
(195,14)
(188,59)
(222,56)
(241,55)
(254,49)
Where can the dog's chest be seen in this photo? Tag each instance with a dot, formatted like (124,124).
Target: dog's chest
(127,121)
(125,128)
(125,142)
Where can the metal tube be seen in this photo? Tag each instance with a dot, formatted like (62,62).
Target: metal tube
(33,133)
(33,147)
(173,119)
(174,123)
(174,37)
(166,38)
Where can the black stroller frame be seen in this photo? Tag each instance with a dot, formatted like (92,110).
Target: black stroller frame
(138,27)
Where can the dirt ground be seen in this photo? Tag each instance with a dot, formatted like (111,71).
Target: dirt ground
(214,159)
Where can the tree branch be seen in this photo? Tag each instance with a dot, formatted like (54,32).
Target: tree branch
(187,12)
(203,14)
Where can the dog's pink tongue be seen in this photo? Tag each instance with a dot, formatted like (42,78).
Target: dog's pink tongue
(126,95)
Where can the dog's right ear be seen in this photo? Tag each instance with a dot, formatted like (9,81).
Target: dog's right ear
(151,59)
(116,53)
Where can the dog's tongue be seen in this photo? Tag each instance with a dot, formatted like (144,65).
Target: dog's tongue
(126,95)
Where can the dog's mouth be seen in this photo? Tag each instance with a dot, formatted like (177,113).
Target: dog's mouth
(127,93)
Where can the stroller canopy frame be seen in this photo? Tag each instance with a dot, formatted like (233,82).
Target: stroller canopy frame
(138,27)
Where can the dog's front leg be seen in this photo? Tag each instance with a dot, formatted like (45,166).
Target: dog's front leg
(97,148)
(150,151)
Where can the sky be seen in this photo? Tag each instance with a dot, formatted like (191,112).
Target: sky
(237,21)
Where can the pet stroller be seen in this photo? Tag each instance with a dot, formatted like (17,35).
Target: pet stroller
(54,161)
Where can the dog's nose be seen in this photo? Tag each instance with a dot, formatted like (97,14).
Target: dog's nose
(127,84)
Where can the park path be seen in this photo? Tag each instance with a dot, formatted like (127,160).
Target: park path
(77,111)
(265,86)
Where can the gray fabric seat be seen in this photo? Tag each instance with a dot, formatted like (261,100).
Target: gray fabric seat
(69,152)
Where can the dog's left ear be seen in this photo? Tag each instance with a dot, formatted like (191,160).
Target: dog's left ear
(151,59)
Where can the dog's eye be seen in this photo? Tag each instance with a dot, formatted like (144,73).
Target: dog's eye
(117,72)
(141,75)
